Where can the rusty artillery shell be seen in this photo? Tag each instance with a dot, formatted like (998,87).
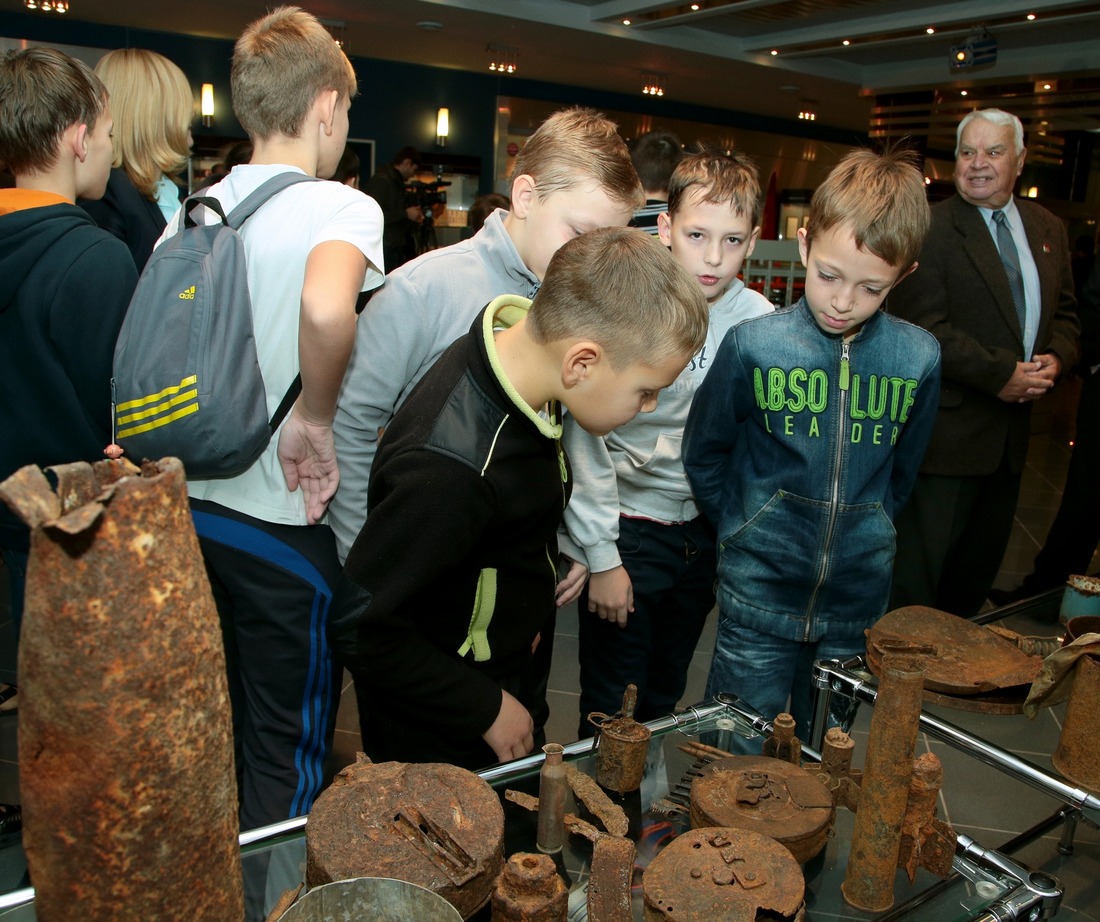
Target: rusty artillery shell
(125,735)
(783,744)
(552,789)
(623,745)
(609,883)
(530,890)
(925,841)
(876,837)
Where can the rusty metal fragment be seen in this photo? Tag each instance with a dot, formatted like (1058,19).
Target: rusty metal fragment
(435,825)
(926,842)
(598,803)
(728,874)
(284,903)
(530,890)
(1077,755)
(572,823)
(767,796)
(610,880)
(783,744)
(884,792)
(623,745)
(125,735)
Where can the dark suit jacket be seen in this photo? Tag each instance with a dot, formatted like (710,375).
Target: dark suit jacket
(960,294)
(129,215)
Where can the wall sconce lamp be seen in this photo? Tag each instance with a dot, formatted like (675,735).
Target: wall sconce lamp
(206,105)
(442,126)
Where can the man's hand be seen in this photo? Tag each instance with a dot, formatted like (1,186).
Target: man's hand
(415,213)
(512,734)
(611,595)
(1031,380)
(569,589)
(308,456)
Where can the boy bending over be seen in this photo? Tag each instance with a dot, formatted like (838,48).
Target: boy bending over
(452,578)
(806,437)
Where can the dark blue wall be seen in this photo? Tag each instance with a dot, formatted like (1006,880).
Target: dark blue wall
(397,102)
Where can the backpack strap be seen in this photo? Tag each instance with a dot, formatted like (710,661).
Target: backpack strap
(286,403)
(261,194)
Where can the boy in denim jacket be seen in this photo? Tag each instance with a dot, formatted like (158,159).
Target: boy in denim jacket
(806,437)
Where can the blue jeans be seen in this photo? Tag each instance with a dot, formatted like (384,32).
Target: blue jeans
(672,569)
(764,671)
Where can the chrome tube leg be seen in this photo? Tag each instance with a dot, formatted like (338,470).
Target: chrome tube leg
(1069,830)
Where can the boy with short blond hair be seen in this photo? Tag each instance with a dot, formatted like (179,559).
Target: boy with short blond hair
(452,578)
(573,175)
(66,282)
(310,249)
(632,515)
(805,440)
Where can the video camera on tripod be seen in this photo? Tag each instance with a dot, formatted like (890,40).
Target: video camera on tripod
(425,194)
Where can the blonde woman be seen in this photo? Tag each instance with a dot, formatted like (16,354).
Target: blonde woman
(152,107)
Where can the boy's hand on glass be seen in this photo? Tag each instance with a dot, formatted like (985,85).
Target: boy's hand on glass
(611,595)
(512,734)
(569,589)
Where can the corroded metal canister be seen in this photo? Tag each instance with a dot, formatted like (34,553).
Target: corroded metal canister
(529,889)
(125,734)
(783,744)
(623,745)
(728,874)
(436,825)
(1077,755)
(884,792)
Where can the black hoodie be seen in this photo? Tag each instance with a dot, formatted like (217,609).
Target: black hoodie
(64,288)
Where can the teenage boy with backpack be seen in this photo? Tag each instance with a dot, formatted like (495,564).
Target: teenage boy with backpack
(310,251)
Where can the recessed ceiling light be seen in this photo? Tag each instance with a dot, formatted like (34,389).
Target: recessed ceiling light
(1031,17)
(695,7)
(963,93)
(845,43)
(775,51)
(626,22)
(1046,86)
(930,30)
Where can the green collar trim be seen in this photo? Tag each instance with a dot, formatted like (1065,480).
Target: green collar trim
(502,313)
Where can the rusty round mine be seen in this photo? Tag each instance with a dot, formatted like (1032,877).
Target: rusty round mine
(768,796)
(529,889)
(721,873)
(435,825)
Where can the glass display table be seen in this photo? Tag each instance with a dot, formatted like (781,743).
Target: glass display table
(986,887)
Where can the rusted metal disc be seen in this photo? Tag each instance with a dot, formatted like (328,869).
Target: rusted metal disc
(969,659)
(719,873)
(769,796)
(435,825)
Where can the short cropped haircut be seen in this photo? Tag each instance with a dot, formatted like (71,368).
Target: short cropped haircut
(43,93)
(998,117)
(880,198)
(281,64)
(152,107)
(621,288)
(655,155)
(406,153)
(577,146)
(721,179)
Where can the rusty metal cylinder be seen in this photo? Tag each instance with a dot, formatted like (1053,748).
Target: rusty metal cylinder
(836,753)
(125,734)
(553,785)
(884,792)
(783,744)
(529,889)
(623,745)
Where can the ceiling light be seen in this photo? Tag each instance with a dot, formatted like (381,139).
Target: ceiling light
(47,6)
(653,85)
(930,30)
(503,59)
(963,93)
(775,52)
(845,43)
(1031,17)
(1046,86)
(626,22)
(695,7)
(807,115)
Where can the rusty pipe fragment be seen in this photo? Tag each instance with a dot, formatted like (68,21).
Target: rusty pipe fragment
(125,735)
(884,791)
(782,743)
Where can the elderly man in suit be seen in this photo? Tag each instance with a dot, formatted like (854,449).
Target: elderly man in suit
(995,288)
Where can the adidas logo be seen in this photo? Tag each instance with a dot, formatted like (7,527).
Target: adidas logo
(188,294)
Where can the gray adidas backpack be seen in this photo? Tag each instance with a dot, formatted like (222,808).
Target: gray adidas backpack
(186,380)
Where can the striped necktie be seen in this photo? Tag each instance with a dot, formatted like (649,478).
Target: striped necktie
(1011,259)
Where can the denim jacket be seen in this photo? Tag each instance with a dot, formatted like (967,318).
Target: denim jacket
(801,447)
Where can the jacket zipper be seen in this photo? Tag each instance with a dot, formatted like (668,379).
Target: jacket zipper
(834,502)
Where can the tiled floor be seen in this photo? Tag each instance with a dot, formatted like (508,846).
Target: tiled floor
(978,800)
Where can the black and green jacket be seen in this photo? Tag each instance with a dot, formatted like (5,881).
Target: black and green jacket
(453,574)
